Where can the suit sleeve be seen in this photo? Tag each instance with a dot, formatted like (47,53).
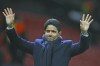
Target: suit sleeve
(19,42)
(81,46)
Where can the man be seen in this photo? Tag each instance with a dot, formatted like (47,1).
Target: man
(51,49)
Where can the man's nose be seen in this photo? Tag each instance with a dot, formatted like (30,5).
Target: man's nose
(50,33)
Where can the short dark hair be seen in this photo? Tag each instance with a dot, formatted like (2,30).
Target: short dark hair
(53,22)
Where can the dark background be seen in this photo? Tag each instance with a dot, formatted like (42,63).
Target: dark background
(30,17)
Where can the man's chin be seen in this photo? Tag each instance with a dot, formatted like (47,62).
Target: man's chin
(50,39)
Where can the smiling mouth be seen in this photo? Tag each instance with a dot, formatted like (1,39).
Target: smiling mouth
(50,37)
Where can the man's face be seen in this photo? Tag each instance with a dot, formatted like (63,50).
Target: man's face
(51,33)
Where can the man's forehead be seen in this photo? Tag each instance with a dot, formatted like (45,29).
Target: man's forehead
(51,27)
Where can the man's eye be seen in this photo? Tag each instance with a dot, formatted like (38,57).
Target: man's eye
(54,31)
(47,30)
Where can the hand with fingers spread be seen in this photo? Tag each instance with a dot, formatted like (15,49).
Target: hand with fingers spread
(9,15)
(85,23)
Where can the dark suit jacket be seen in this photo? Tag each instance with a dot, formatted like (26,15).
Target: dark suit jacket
(45,53)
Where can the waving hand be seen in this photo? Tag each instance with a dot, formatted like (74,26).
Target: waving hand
(85,22)
(10,16)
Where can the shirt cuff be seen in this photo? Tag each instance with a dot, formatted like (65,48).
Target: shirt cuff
(85,34)
(9,28)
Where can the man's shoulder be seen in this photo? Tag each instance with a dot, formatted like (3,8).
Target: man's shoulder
(38,40)
(67,42)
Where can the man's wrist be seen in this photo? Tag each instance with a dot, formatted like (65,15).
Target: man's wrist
(84,33)
(10,27)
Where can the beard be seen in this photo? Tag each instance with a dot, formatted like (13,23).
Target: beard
(50,38)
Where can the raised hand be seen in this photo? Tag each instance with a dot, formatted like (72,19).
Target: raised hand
(9,15)
(85,22)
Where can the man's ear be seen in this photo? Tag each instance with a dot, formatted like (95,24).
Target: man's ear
(60,33)
(44,31)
